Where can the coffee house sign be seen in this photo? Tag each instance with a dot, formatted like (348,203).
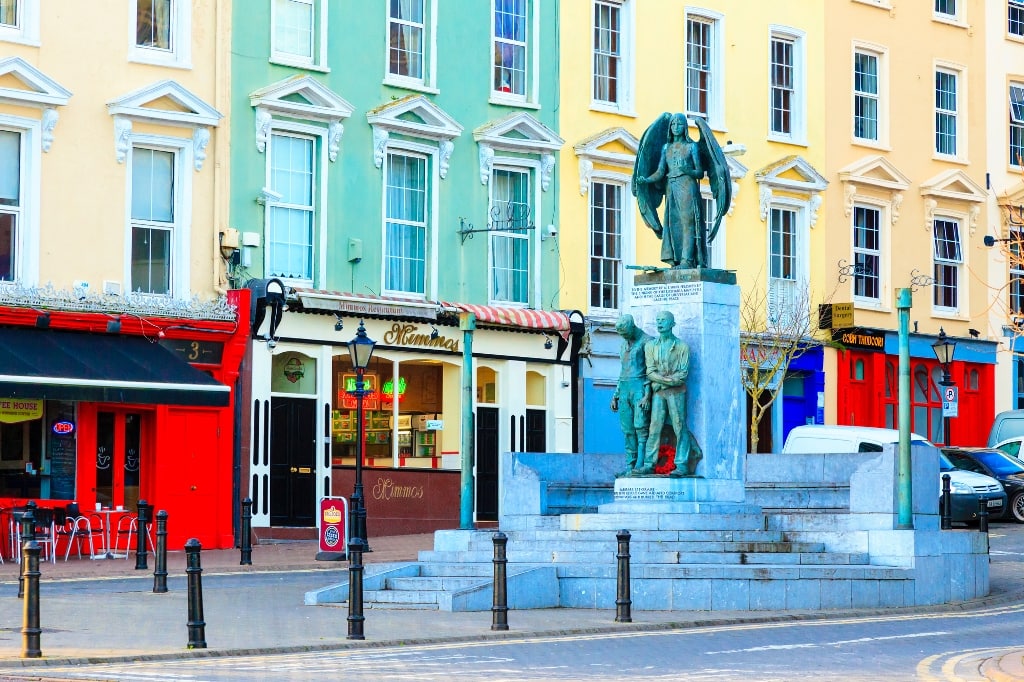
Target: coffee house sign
(402,334)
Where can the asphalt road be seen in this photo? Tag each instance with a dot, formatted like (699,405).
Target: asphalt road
(943,646)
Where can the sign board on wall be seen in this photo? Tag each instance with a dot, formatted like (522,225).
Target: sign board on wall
(14,410)
(835,315)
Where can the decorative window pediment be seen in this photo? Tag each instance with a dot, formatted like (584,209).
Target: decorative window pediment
(25,85)
(300,97)
(614,147)
(519,132)
(1011,205)
(415,116)
(875,172)
(163,102)
(952,186)
(794,175)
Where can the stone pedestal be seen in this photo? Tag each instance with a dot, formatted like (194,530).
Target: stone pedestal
(705,304)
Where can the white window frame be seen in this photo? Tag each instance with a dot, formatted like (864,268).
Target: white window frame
(627,238)
(26,28)
(180,54)
(1015,125)
(531,91)
(27,241)
(798,102)
(318,257)
(881,253)
(1015,7)
(1015,278)
(428,83)
(959,72)
(957,18)
(432,208)
(881,56)
(802,252)
(181,232)
(318,60)
(532,169)
(716,249)
(624,103)
(716,67)
(961,266)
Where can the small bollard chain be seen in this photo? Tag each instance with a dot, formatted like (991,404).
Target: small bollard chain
(983,516)
(945,505)
(27,532)
(194,570)
(499,608)
(30,630)
(623,601)
(355,589)
(246,533)
(160,559)
(141,533)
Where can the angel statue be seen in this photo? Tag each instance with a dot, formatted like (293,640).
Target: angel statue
(670,165)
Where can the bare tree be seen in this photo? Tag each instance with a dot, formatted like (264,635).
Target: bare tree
(777,327)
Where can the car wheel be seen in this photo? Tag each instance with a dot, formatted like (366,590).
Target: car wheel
(1017,507)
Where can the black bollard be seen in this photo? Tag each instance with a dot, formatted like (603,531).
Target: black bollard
(983,516)
(355,589)
(160,559)
(141,533)
(30,630)
(623,602)
(194,570)
(28,534)
(499,609)
(945,505)
(246,552)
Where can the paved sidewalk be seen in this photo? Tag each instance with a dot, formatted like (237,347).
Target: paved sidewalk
(260,609)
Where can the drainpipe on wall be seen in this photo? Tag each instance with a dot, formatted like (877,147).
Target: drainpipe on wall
(467,323)
(904,300)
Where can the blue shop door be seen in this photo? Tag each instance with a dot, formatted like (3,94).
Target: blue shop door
(797,406)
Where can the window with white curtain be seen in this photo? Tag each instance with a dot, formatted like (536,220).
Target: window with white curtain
(511,216)
(786,269)
(153,24)
(10,13)
(406,31)
(512,48)
(607,51)
(948,260)
(10,202)
(153,219)
(294,30)
(291,174)
(405,226)
(161,32)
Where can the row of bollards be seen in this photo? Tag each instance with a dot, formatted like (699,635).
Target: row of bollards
(946,508)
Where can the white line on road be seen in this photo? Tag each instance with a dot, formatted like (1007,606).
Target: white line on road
(817,645)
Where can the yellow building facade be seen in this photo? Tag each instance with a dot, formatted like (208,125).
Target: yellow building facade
(114,174)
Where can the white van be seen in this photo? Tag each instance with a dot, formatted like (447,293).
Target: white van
(819,438)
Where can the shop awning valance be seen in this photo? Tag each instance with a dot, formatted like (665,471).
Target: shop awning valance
(59,365)
(525,318)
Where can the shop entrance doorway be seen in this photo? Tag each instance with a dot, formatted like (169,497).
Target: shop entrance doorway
(121,452)
(486,463)
(293,462)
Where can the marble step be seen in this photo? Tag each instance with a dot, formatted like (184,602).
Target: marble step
(439,583)
(815,554)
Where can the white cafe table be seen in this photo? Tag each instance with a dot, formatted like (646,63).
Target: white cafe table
(107,548)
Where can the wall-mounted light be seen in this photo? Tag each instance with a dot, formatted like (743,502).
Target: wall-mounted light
(974,333)
(338,324)
(547,342)
(43,321)
(433,332)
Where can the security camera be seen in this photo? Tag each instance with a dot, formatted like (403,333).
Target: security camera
(267,194)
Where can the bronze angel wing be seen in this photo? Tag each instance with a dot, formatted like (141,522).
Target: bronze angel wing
(649,195)
(713,160)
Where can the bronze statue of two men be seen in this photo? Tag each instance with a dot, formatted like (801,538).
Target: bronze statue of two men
(652,392)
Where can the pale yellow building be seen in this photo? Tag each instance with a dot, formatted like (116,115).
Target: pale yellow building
(113,173)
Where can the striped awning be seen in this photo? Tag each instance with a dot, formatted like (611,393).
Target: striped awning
(525,318)
(365,304)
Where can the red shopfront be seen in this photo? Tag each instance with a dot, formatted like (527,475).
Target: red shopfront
(113,408)
(868,393)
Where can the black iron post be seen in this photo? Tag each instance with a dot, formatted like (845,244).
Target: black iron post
(246,549)
(983,516)
(945,505)
(623,601)
(141,534)
(355,589)
(160,558)
(30,630)
(28,534)
(194,570)
(499,609)
(357,511)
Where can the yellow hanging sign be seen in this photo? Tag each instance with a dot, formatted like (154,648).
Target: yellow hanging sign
(14,410)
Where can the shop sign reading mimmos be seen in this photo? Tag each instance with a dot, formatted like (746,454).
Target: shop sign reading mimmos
(409,335)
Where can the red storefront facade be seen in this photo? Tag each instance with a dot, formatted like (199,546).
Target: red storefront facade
(867,385)
(109,407)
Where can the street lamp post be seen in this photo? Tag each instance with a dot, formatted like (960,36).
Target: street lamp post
(943,349)
(360,349)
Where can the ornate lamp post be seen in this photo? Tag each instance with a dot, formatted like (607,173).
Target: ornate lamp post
(943,349)
(360,349)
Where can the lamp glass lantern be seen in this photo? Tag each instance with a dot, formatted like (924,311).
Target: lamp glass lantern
(943,349)
(360,348)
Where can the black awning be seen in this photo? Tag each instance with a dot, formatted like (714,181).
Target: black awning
(59,365)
